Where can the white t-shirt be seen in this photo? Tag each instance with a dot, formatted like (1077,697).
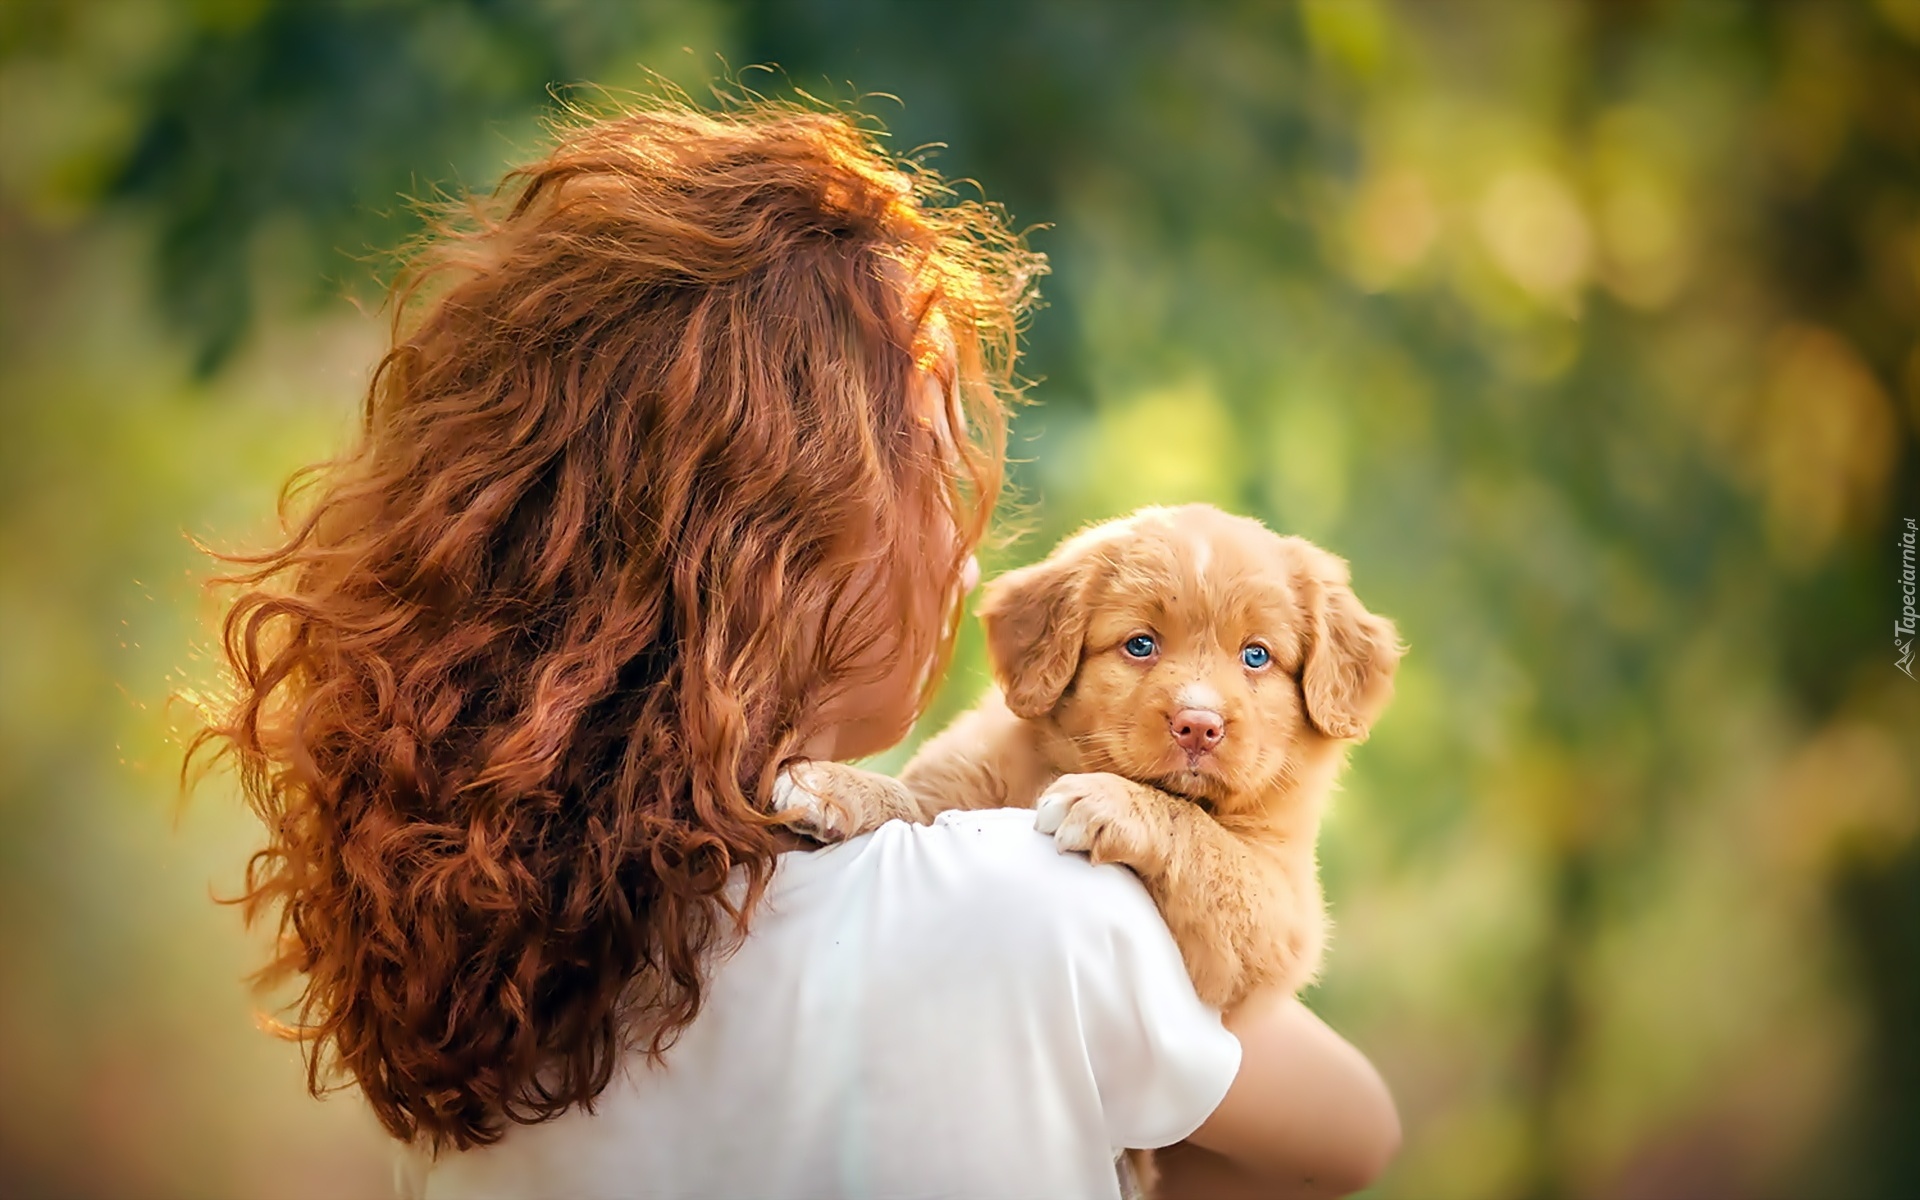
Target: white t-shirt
(947,1010)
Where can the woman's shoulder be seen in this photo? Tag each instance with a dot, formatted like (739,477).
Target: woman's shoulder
(987,907)
(1002,846)
(988,853)
(984,877)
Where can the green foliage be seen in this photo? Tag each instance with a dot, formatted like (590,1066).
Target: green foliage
(1585,331)
(333,113)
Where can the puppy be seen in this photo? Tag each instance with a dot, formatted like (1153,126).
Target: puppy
(1176,692)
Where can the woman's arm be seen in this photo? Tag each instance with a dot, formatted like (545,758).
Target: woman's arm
(1307,1116)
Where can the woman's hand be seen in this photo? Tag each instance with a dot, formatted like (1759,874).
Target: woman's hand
(1307,1116)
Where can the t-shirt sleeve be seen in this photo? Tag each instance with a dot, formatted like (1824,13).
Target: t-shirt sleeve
(1160,1057)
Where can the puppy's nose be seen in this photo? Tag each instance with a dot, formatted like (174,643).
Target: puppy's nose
(1198,730)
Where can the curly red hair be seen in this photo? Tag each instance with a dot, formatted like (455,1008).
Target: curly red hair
(511,692)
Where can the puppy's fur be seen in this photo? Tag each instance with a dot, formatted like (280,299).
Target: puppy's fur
(1082,726)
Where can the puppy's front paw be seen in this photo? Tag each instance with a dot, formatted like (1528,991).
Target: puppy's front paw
(831,802)
(802,802)
(1102,816)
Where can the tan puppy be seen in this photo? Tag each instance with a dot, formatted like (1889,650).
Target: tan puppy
(1177,691)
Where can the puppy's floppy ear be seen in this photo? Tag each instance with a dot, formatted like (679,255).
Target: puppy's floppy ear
(1036,622)
(1346,675)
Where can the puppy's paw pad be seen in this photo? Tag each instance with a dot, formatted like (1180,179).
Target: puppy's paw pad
(1091,814)
(1051,810)
(1079,831)
(804,810)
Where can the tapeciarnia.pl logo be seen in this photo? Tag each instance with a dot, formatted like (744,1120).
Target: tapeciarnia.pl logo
(1903,625)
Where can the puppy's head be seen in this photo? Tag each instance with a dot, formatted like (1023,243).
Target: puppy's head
(1192,650)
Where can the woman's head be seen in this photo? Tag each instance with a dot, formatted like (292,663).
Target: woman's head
(671,474)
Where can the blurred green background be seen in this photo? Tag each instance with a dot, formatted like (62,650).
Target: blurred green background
(1587,331)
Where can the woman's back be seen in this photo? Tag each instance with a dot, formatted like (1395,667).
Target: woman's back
(954,1009)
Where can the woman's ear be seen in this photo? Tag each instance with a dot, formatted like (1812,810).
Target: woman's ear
(1351,654)
(1036,622)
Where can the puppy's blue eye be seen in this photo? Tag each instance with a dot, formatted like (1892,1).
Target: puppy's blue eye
(1139,646)
(1255,657)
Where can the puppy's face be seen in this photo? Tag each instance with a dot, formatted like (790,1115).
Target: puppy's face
(1191,650)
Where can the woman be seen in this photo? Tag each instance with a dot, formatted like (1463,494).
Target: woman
(673,477)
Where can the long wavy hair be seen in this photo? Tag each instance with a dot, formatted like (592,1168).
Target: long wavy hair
(628,505)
